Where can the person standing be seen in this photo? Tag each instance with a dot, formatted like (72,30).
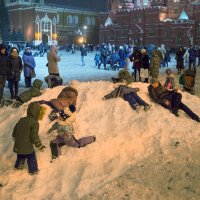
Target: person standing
(192,57)
(3,68)
(83,54)
(53,60)
(144,71)
(180,59)
(14,72)
(29,66)
(136,59)
(53,79)
(155,63)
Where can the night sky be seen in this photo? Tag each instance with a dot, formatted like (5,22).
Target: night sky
(99,5)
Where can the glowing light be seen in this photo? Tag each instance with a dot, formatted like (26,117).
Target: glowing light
(37,36)
(81,40)
(54,36)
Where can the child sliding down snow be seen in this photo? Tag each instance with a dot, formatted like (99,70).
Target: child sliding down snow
(65,129)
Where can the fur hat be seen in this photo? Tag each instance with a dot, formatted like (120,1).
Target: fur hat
(73,84)
(153,80)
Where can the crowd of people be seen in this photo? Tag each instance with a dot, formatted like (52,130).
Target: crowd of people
(146,64)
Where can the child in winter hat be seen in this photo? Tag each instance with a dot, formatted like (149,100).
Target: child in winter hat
(65,129)
(170,82)
(25,135)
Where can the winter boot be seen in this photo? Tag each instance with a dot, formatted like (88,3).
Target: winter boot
(54,150)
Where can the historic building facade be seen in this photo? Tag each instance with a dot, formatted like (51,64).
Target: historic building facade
(169,22)
(56,24)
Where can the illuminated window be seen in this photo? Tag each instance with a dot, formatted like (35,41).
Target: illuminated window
(93,21)
(145,2)
(58,18)
(69,19)
(75,20)
(87,21)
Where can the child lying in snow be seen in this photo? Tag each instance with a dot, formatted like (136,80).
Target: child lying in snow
(67,96)
(128,94)
(65,129)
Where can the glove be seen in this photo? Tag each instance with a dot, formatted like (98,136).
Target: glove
(41,148)
(63,115)
(53,116)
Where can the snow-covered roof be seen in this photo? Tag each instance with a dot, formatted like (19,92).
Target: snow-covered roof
(183,16)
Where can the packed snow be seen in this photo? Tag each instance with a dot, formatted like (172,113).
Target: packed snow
(123,137)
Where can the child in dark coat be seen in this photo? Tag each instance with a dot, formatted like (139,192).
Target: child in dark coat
(128,94)
(25,135)
(65,129)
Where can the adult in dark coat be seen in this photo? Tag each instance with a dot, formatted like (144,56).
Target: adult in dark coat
(169,99)
(3,68)
(180,59)
(29,66)
(136,59)
(14,72)
(25,135)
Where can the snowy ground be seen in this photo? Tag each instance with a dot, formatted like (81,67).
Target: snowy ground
(137,156)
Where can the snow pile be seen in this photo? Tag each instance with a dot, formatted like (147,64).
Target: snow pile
(124,138)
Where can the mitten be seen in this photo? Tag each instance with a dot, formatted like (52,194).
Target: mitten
(41,148)
(63,114)
(53,116)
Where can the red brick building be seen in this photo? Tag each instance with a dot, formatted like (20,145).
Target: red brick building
(51,23)
(169,22)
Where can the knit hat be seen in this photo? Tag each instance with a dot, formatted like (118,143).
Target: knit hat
(153,80)
(28,48)
(73,84)
(143,51)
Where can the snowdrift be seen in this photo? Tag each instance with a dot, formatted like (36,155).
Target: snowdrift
(124,138)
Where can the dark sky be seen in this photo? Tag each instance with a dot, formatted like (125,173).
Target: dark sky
(99,5)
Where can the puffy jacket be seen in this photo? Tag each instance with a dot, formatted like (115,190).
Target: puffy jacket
(29,63)
(120,91)
(25,132)
(3,63)
(34,91)
(14,68)
(159,94)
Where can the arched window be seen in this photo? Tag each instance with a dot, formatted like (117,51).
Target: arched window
(46,27)
(69,19)
(75,20)
(58,18)
(87,21)
(93,21)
